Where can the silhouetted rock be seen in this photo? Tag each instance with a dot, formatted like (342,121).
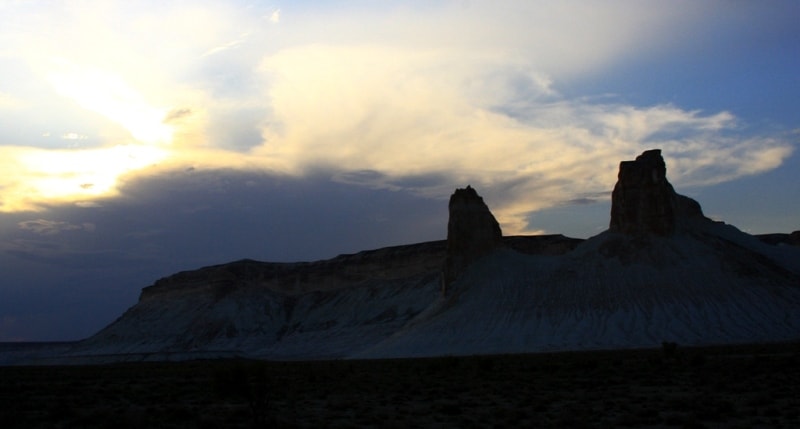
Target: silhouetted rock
(776,239)
(472,231)
(690,281)
(643,200)
(549,244)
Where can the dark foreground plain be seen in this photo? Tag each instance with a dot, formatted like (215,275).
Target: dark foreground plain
(715,387)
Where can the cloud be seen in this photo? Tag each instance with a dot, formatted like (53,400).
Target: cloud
(74,136)
(9,102)
(275,16)
(36,177)
(581,201)
(177,114)
(382,116)
(156,220)
(421,99)
(110,95)
(217,49)
(51,227)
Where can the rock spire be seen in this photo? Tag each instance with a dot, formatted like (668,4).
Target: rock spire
(472,231)
(644,202)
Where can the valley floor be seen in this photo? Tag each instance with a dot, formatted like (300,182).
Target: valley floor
(716,387)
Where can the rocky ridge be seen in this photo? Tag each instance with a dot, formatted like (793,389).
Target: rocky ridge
(661,272)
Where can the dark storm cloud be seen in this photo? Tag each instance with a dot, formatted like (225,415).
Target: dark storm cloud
(362,177)
(51,227)
(65,255)
(262,216)
(420,181)
(182,220)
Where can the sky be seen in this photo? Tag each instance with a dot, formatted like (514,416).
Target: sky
(138,139)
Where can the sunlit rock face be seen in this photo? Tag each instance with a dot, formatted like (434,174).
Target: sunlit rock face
(472,231)
(644,202)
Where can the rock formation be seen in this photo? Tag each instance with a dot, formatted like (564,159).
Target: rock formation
(777,239)
(644,202)
(690,281)
(472,231)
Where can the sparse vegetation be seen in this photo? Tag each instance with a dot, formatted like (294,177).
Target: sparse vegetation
(720,387)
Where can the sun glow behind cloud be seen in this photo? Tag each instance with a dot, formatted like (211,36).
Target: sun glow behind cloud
(43,177)
(40,177)
(413,100)
(108,94)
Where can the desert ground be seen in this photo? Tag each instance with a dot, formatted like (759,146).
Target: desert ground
(746,386)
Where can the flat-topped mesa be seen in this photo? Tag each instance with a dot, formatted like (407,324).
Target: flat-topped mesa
(472,231)
(644,202)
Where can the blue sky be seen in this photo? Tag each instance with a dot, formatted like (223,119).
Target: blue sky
(142,138)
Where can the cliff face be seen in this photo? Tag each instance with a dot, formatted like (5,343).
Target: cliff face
(662,272)
(341,272)
(277,310)
(322,309)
